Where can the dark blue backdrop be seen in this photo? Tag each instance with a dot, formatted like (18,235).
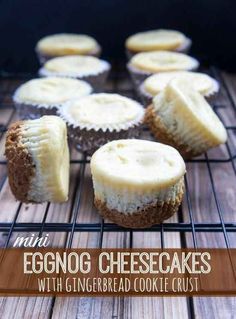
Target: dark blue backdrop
(210,23)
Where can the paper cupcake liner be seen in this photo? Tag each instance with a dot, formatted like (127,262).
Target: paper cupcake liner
(34,111)
(192,142)
(90,140)
(146,97)
(184,48)
(96,80)
(43,58)
(137,76)
(212,95)
(152,212)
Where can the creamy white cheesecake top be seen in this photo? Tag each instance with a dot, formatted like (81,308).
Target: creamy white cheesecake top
(103,111)
(200,82)
(180,102)
(74,65)
(139,164)
(155,40)
(163,61)
(67,44)
(51,91)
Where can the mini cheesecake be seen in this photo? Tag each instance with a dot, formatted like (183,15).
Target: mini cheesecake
(66,44)
(87,68)
(181,117)
(137,183)
(154,40)
(154,84)
(100,118)
(44,96)
(38,160)
(144,64)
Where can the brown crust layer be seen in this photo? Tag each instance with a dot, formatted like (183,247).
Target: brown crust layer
(150,215)
(19,163)
(160,132)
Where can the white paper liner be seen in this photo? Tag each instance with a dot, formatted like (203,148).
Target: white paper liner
(214,90)
(137,76)
(145,96)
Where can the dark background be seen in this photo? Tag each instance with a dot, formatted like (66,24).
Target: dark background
(210,23)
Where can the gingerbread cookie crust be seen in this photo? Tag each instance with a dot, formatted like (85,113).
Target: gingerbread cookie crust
(20,165)
(159,130)
(146,217)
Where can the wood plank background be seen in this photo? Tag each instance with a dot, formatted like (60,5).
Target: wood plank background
(201,199)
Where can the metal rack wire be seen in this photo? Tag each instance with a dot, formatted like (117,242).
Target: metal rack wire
(12,81)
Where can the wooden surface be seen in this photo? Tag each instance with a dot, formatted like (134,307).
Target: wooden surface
(201,201)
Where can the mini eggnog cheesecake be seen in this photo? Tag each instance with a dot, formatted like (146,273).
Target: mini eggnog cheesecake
(66,44)
(155,40)
(200,82)
(38,160)
(137,183)
(87,68)
(44,96)
(145,64)
(181,117)
(99,118)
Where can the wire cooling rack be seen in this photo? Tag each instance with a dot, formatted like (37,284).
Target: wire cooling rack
(120,83)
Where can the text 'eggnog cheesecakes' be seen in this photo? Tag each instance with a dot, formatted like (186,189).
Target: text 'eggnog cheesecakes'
(145,64)
(38,160)
(39,97)
(98,118)
(87,68)
(154,40)
(181,117)
(200,82)
(62,44)
(137,183)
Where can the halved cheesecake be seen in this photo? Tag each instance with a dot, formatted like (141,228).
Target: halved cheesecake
(38,160)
